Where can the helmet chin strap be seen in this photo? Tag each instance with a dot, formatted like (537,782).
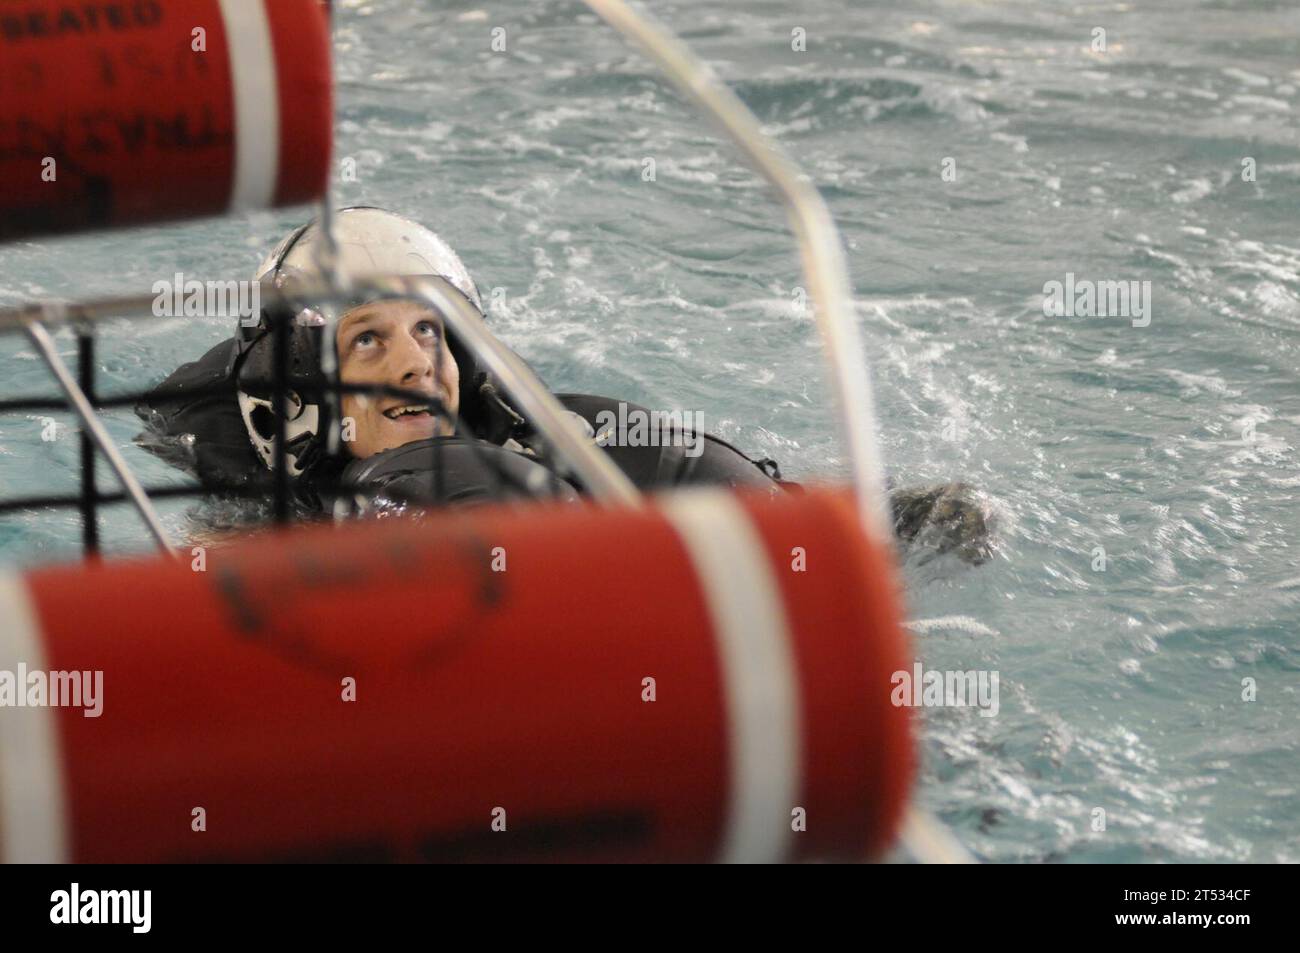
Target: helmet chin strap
(500,421)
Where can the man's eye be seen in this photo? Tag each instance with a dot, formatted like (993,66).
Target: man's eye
(427,328)
(364,339)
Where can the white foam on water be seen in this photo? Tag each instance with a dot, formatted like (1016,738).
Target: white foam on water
(950,623)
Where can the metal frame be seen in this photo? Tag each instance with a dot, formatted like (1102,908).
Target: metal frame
(819,246)
(95,429)
(604,481)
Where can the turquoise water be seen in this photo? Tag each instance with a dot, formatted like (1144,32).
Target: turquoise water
(1172,446)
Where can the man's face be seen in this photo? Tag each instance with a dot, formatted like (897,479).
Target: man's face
(400,344)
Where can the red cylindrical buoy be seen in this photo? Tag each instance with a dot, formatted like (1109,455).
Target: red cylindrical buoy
(127,112)
(707,678)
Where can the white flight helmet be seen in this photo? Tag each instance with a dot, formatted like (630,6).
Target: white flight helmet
(371,241)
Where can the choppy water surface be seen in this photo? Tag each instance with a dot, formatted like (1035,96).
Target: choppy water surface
(1172,446)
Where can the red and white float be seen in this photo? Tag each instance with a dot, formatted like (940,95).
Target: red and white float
(502,709)
(136,111)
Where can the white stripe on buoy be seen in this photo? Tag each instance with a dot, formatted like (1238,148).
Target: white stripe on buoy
(257,103)
(32,818)
(758,667)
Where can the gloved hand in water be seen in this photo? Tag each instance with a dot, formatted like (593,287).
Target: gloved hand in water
(944,518)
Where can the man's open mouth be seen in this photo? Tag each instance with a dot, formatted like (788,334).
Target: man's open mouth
(408,410)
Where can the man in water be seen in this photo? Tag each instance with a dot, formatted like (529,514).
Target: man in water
(404,345)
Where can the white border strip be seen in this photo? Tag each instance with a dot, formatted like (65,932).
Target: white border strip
(32,817)
(758,670)
(257,103)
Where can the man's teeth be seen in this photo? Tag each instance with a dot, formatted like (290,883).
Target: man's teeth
(396,412)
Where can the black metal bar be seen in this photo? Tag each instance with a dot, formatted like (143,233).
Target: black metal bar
(35,403)
(253,491)
(89,503)
(70,500)
(436,449)
(333,398)
(208,390)
(279,410)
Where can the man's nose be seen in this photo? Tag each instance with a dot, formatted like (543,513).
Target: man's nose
(413,363)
